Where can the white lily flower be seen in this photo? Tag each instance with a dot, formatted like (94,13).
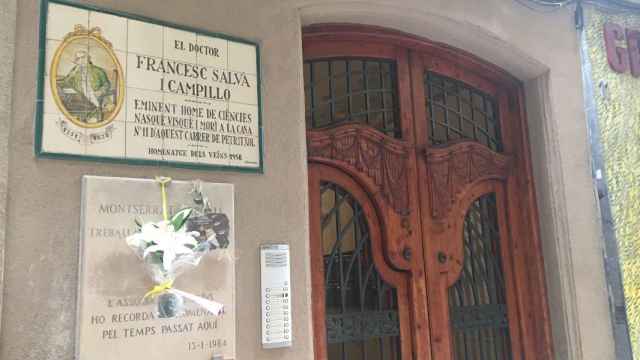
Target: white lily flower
(142,238)
(161,236)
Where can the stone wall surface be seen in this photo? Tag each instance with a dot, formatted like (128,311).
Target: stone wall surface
(542,50)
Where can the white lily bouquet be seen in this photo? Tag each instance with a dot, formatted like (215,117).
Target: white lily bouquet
(171,246)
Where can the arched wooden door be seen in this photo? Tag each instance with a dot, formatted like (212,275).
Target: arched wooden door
(425,150)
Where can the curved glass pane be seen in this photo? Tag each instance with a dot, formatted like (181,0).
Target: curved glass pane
(351,90)
(361,309)
(458,111)
(477,301)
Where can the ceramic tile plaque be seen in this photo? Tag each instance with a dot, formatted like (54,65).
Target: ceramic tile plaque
(114,322)
(117,87)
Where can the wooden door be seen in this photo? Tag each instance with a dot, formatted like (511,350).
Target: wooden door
(427,145)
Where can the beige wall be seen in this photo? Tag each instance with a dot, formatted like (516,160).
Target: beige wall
(7,37)
(542,50)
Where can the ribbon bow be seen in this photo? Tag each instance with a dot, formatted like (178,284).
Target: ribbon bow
(159,289)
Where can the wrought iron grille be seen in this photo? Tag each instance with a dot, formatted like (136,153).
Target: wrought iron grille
(361,308)
(477,300)
(457,111)
(351,90)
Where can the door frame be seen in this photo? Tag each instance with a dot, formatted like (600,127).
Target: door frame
(510,176)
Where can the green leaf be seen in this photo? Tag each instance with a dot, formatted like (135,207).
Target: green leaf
(180,218)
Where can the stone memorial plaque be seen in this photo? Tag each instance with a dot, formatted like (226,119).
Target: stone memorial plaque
(113,320)
(119,87)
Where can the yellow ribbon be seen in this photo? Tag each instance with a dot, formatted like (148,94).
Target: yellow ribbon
(159,289)
(163,181)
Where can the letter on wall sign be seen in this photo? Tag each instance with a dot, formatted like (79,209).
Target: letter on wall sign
(618,57)
(633,46)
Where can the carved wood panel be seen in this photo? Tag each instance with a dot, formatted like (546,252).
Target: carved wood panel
(374,155)
(453,169)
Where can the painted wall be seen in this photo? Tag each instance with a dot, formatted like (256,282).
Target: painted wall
(44,201)
(618,111)
(44,195)
(7,38)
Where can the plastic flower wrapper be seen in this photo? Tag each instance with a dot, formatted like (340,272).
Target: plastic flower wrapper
(167,250)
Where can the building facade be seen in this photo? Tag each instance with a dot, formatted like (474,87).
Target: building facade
(469,196)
